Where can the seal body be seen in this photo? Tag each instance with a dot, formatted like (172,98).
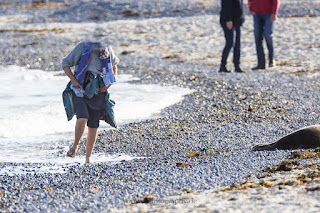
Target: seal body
(307,137)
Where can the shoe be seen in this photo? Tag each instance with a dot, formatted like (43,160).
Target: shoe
(272,63)
(238,69)
(223,69)
(259,68)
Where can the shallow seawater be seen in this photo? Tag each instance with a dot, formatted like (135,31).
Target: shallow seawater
(34,127)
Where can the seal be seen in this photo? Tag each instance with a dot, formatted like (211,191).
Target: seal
(307,137)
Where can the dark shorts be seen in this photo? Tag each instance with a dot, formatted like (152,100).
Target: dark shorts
(90,109)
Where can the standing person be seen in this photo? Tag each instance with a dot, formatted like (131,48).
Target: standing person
(231,20)
(95,71)
(264,14)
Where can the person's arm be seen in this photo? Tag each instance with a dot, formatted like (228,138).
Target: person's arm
(115,73)
(115,70)
(73,79)
(104,88)
(275,9)
(71,60)
(250,3)
(228,11)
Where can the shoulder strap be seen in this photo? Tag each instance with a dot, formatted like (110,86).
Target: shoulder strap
(108,76)
(84,62)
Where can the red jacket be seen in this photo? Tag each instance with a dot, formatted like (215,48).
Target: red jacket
(264,6)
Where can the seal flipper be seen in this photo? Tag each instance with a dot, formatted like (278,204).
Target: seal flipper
(264,146)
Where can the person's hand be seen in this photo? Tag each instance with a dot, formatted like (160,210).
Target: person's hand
(229,25)
(76,84)
(273,17)
(252,13)
(73,80)
(103,89)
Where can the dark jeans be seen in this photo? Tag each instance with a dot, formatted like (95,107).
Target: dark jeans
(263,28)
(229,36)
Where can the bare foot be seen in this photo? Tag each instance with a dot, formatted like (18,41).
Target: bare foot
(88,161)
(72,151)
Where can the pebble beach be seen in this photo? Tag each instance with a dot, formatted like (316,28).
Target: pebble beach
(186,155)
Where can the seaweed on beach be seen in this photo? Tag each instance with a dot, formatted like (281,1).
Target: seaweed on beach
(55,29)
(304,154)
(283,166)
(183,165)
(41,4)
(312,189)
(6,3)
(309,177)
(303,72)
(247,184)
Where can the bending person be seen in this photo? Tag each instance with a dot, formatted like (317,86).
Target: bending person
(95,71)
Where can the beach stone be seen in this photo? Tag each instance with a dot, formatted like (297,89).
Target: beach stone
(307,137)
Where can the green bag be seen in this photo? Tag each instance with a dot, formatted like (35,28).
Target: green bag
(67,102)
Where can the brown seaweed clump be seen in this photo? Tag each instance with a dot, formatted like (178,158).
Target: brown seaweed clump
(304,154)
(283,166)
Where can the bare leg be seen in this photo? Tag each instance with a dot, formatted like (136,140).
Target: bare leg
(79,129)
(91,140)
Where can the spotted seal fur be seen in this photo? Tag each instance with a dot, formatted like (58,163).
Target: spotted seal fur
(307,137)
